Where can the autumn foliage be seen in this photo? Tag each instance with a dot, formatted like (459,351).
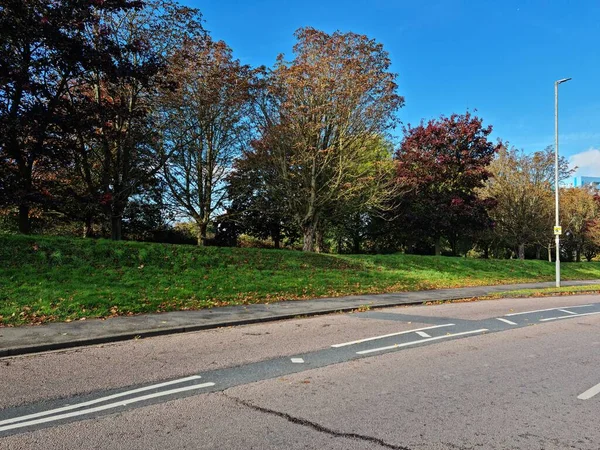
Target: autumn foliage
(324,109)
(126,119)
(443,163)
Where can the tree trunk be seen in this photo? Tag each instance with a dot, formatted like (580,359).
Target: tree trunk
(309,238)
(116,209)
(24,222)
(311,220)
(320,241)
(277,241)
(116,227)
(26,184)
(438,246)
(578,255)
(486,252)
(521,251)
(202,226)
(87,226)
(356,245)
(454,246)
(538,252)
(550,252)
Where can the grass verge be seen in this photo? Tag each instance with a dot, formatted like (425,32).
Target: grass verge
(58,279)
(564,290)
(527,293)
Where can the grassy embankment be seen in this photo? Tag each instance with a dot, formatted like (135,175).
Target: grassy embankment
(55,279)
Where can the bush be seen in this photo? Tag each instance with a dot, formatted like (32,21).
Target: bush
(247,241)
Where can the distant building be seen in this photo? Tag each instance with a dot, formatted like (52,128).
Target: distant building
(586,181)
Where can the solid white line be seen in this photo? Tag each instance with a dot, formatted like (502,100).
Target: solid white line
(566,311)
(542,310)
(297,360)
(569,316)
(505,321)
(406,344)
(590,393)
(98,400)
(390,335)
(125,402)
(423,334)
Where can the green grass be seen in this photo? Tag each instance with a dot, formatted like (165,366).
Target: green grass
(564,290)
(47,279)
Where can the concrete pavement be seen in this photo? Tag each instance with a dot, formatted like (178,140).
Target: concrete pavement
(54,336)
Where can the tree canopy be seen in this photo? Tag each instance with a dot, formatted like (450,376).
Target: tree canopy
(443,163)
(126,119)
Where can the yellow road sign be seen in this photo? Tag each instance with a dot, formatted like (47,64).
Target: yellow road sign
(557,230)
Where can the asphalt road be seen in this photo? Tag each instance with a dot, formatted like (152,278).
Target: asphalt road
(503,374)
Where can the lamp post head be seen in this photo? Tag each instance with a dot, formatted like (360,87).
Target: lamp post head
(564,80)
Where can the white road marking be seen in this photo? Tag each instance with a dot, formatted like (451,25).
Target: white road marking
(542,310)
(390,335)
(590,393)
(406,344)
(567,311)
(423,334)
(569,316)
(297,360)
(98,400)
(506,321)
(104,407)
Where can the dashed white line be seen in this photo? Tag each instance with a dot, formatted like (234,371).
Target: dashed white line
(125,402)
(406,344)
(569,316)
(506,321)
(542,310)
(567,311)
(590,393)
(390,335)
(423,334)
(297,360)
(98,400)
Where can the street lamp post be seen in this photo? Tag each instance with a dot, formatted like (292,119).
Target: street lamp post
(557,233)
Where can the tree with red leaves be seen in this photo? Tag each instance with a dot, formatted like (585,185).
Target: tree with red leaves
(443,163)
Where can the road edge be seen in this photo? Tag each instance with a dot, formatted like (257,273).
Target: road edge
(147,333)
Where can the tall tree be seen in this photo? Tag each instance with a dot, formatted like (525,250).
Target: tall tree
(43,51)
(323,110)
(591,247)
(444,162)
(254,206)
(521,184)
(579,212)
(206,122)
(126,149)
(351,217)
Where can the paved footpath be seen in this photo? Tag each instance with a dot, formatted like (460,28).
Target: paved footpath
(54,336)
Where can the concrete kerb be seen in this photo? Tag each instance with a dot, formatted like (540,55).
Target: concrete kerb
(40,348)
(353,303)
(147,333)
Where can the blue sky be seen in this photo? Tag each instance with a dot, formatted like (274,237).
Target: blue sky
(500,57)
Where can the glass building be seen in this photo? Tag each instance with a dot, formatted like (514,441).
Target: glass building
(586,181)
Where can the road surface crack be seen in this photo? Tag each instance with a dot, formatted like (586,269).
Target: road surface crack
(314,425)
